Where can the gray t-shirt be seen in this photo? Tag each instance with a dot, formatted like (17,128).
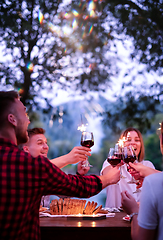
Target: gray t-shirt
(151,207)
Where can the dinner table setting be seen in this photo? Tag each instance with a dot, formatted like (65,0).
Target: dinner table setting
(71,218)
(107,222)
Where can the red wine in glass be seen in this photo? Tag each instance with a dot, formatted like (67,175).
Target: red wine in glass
(87,140)
(114,158)
(128,159)
(118,155)
(114,161)
(129,156)
(87,143)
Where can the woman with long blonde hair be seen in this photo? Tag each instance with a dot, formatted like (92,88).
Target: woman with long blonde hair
(133,138)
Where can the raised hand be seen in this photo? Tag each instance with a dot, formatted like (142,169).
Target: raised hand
(139,170)
(78,154)
(133,172)
(128,203)
(81,169)
(110,176)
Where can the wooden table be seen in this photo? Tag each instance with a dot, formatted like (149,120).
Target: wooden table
(111,228)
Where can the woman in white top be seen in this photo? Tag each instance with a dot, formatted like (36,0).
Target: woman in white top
(113,199)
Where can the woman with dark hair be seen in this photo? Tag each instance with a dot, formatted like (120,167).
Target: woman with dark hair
(133,138)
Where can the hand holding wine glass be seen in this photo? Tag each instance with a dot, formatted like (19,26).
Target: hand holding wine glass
(130,156)
(82,170)
(87,140)
(115,158)
(119,154)
(141,170)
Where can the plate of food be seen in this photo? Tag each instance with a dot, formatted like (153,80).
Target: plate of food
(126,218)
(120,209)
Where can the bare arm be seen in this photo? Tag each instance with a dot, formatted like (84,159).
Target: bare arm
(139,233)
(77,154)
(82,170)
(130,206)
(110,176)
(142,170)
(105,170)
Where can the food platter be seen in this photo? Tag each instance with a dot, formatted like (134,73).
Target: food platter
(75,209)
(77,216)
(126,218)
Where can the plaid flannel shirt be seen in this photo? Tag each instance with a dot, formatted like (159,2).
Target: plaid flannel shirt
(23,181)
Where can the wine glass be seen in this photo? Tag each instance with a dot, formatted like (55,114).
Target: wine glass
(113,157)
(87,140)
(119,154)
(137,189)
(129,156)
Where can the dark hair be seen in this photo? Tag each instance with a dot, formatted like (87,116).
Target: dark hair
(142,149)
(35,131)
(6,100)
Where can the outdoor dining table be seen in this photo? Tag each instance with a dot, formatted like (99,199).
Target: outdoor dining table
(81,229)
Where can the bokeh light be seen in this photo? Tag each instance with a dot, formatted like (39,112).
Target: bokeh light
(29,66)
(40,17)
(76,25)
(20,91)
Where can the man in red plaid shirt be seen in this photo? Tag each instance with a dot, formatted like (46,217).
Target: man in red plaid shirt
(24,179)
(37,145)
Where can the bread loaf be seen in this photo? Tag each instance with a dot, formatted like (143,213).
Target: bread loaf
(68,206)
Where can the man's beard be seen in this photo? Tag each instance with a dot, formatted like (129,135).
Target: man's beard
(22,136)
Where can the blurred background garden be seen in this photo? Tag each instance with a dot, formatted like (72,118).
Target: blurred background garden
(94,62)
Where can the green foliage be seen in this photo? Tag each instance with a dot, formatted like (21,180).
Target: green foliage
(152,150)
(41,55)
(59,147)
(131,110)
(143,21)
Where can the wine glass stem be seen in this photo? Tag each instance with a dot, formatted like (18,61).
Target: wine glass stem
(87,164)
(121,175)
